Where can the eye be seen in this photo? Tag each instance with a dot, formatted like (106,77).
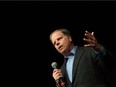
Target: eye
(60,38)
(54,43)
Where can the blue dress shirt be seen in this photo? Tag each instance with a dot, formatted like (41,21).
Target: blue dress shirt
(69,64)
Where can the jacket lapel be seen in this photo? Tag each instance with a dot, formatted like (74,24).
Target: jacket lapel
(77,58)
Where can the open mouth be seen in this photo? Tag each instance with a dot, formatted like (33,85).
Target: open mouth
(60,47)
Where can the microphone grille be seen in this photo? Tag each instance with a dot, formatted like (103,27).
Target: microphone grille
(54,65)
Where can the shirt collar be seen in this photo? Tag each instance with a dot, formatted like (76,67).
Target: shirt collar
(72,51)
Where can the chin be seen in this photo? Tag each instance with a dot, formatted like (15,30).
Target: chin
(62,52)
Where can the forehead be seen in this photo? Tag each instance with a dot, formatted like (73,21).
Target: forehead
(56,34)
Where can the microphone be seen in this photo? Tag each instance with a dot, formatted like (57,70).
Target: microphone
(55,66)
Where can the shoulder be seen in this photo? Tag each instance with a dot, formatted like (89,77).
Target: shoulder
(85,51)
(84,48)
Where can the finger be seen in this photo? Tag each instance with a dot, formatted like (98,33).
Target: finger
(86,32)
(90,37)
(89,40)
(92,33)
(58,75)
(55,70)
(89,45)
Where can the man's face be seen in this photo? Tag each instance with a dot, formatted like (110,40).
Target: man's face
(61,42)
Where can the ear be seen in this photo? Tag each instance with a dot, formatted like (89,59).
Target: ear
(70,39)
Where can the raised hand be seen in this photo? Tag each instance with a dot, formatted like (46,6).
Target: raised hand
(91,41)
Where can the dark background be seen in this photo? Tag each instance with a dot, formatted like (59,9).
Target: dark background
(26,27)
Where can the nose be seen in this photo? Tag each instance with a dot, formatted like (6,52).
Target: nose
(57,43)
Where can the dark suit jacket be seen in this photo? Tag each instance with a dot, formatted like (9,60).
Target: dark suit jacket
(89,69)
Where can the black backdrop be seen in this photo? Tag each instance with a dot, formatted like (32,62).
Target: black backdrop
(26,27)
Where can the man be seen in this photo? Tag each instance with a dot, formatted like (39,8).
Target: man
(85,66)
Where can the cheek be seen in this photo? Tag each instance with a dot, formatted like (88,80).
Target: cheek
(64,42)
(67,44)
(55,46)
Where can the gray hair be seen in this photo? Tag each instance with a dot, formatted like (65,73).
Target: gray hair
(63,30)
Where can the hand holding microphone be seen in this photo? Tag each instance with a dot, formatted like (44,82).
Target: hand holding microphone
(57,74)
